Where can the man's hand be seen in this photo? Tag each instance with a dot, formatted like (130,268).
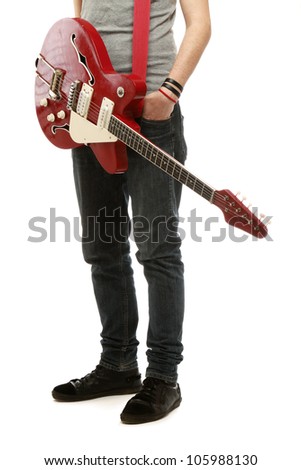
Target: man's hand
(157,107)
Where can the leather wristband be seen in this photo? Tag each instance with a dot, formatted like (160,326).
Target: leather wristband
(174,82)
(171,88)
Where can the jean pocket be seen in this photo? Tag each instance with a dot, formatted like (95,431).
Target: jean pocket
(157,131)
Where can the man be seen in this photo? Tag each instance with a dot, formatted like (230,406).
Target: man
(155,199)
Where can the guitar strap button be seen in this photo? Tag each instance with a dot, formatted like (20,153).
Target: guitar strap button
(120,92)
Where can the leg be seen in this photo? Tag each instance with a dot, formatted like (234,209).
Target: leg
(155,201)
(156,198)
(103,203)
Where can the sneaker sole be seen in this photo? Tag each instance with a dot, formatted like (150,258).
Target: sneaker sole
(133,419)
(72,398)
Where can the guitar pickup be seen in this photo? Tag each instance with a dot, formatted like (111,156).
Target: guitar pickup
(105,113)
(84,100)
(73,95)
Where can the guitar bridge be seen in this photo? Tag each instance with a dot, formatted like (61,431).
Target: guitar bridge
(56,82)
(56,85)
(73,95)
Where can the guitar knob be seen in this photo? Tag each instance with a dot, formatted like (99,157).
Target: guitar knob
(44,102)
(51,117)
(61,114)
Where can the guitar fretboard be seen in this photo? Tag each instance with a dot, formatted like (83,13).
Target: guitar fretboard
(159,158)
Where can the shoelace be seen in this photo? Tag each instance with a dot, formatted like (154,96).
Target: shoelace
(97,373)
(149,389)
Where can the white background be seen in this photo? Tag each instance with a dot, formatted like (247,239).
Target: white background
(240,377)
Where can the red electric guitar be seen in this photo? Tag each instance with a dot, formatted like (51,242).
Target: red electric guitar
(81,99)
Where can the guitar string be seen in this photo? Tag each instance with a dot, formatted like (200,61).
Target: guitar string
(183,175)
(189,180)
(195,184)
(96,109)
(198,186)
(145,146)
(163,161)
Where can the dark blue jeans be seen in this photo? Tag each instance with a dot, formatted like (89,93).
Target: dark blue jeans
(155,197)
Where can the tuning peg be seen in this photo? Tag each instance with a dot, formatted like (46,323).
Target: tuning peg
(241,196)
(250,205)
(262,216)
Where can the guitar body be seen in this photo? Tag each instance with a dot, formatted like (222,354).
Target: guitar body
(73,51)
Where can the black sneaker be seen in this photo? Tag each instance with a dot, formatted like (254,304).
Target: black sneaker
(156,399)
(101,382)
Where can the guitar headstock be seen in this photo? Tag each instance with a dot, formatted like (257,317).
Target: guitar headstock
(237,214)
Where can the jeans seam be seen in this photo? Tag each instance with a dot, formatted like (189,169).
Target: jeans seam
(166,378)
(125,313)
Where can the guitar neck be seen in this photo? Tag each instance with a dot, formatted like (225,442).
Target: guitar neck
(159,158)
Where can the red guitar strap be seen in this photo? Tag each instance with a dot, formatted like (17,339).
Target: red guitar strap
(140,37)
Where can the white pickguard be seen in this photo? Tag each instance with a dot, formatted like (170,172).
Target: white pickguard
(83,131)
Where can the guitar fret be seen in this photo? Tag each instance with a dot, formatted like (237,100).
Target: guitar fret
(156,153)
(186,174)
(177,173)
(175,167)
(158,159)
(148,152)
(191,183)
(165,163)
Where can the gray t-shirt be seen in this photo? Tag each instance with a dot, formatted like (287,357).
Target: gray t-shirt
(114,21)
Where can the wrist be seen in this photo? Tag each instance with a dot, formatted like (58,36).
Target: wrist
(171,89)
(169,95)
(174,84)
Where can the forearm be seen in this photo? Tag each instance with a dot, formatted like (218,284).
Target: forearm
(196,37)
(77,7)
(192,47)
